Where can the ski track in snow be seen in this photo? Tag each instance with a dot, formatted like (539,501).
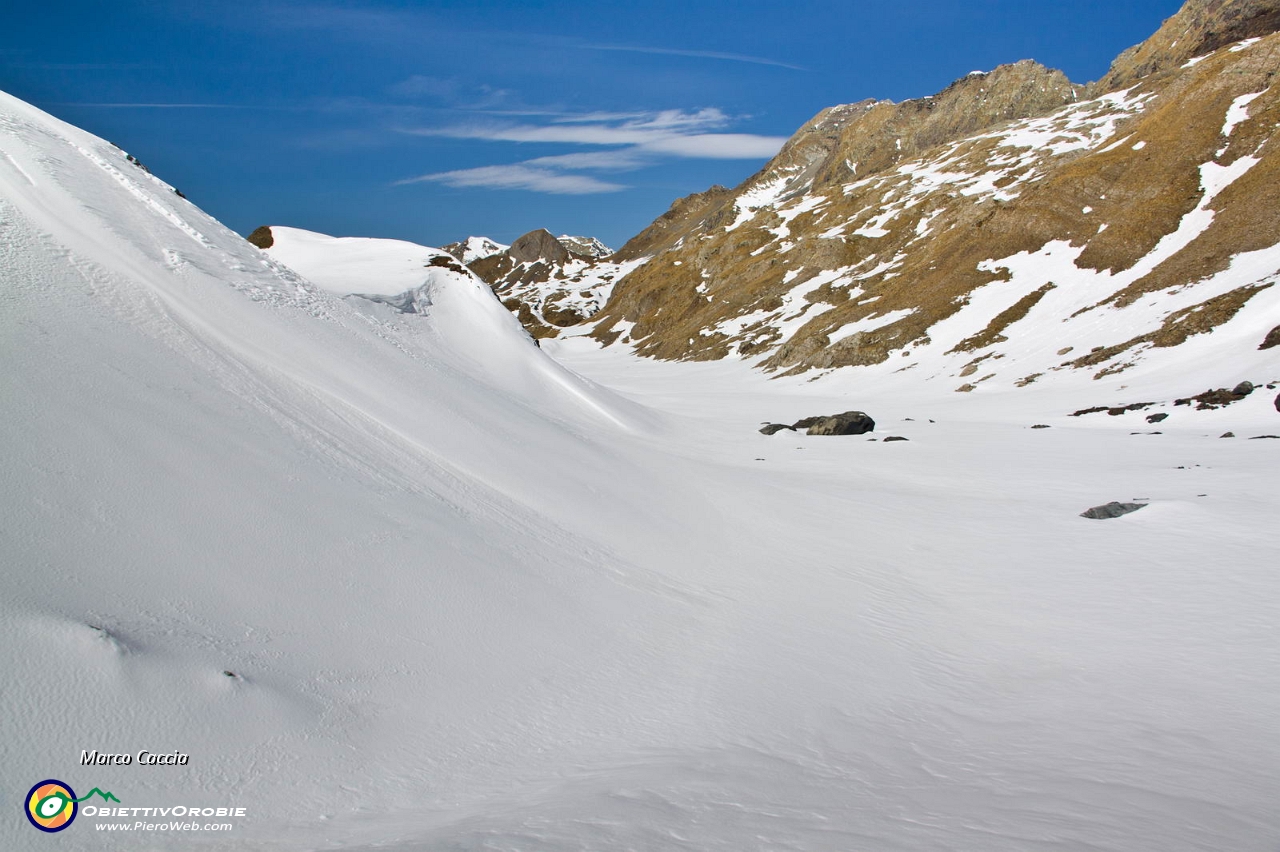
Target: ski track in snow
(481,595)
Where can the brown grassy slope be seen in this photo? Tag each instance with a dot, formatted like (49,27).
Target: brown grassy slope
(817,161)
(1141,192)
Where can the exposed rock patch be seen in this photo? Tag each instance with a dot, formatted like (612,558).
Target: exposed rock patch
(848,423)
(262,237)
(1219,398)
(1111,510)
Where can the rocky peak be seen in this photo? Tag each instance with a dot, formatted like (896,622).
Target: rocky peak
(1200,27)
(538,245)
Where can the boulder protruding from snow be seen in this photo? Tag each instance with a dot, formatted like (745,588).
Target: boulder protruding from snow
(848,423)
(262,237)
(1111,510)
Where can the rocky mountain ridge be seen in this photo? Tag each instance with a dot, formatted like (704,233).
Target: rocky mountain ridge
(1107,220)
(551,282)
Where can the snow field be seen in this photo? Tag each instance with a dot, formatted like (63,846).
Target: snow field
(480,595)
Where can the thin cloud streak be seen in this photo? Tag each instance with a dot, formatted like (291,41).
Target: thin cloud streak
(671,132)
(84,66)
(169,106)
(697,54)
(637,140)
(519,176)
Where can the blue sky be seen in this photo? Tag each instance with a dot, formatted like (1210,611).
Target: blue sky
(431,121)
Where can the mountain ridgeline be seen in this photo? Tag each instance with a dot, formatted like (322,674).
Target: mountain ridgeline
(1110,219)
(1011,227)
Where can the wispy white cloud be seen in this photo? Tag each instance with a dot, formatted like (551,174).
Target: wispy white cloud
(698,54)
(634,140)
(676,133)
(83,66)
(626,159)
(166,106)
(718,146)
(520,176)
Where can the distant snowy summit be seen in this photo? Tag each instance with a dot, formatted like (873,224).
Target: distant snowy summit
(585,246)
(474,248)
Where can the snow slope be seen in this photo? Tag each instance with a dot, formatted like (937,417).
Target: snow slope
(471,600)
(345,265)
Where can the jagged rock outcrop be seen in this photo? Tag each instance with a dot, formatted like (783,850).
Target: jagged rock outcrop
(939,228)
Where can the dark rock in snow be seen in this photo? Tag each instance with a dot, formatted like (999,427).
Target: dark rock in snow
(1041,426)
(848,423)
(1272,338)
(1260,437)
(895,438)
(1243,389)
(262,237)
(774,428)
(805,423)
(1227,435)
(1111,510)
(1211,399)
(1278,402)
(1157,418)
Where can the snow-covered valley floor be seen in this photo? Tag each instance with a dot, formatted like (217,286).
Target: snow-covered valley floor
(406,582)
